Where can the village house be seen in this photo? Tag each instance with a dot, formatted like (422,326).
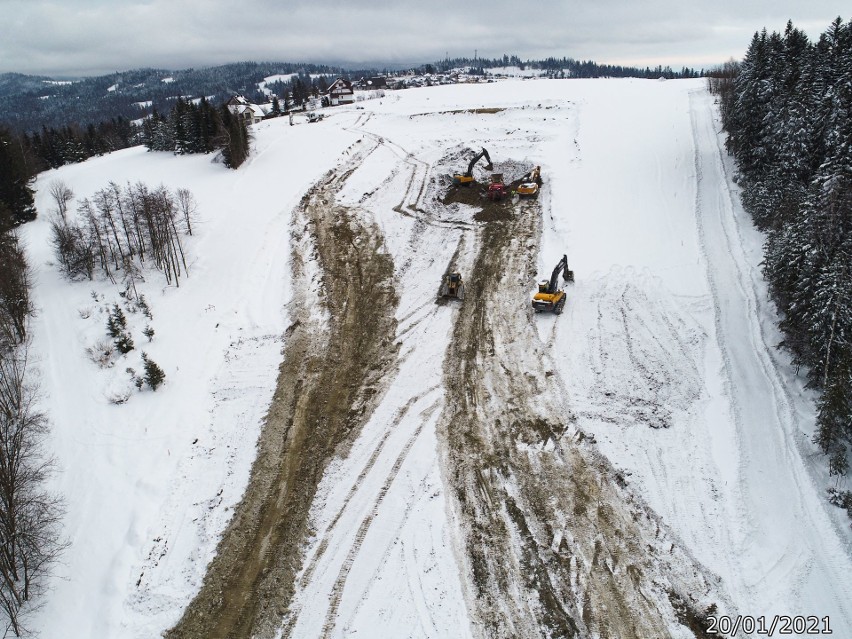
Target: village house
(341,92)
(377,82)
(242,108)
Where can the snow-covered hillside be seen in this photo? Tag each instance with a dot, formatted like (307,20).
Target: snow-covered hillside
(658,396)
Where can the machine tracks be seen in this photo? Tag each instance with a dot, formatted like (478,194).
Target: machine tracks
(354,549)
(333,373)
(555,544)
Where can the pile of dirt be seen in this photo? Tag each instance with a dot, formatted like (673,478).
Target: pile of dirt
(476,195)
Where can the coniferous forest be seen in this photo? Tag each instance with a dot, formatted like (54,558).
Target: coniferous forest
(787,109)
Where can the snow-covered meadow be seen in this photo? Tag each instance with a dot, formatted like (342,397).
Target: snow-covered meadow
(665,351)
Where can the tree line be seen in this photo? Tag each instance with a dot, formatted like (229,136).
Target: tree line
(188,127)
(29,102)
(297,91)
(30,540)
(787,110)
(564,68)
(200,127)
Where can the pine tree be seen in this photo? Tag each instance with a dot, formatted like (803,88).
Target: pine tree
(16,197)
(235,138)
(124,343)
(154,375)
(116,322)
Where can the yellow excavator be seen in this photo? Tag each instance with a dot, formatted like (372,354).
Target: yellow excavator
(550,297)
(452,286)
(530,183)
(466,178)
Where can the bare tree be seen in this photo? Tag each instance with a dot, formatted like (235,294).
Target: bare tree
(120,229)
(96,235)
(62,195)
(15,304)
(73,248)
(30,517)
(186,203)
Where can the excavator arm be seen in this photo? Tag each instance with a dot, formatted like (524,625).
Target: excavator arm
(466,178)
(562,267)
(477,158)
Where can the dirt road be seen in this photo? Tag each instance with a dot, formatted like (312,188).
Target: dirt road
(555,542)
(338,348)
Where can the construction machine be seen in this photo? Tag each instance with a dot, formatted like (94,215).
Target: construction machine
(530,183)
(452,286)
(310,116)
(466,178)
(497,189)
(550,297)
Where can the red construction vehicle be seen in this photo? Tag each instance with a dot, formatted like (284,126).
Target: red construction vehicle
(497,189)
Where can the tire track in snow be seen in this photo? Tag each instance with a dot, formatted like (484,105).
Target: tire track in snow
(368,533)
(773,483)
(324,397)
(420,170)
(311,565)
(364,527)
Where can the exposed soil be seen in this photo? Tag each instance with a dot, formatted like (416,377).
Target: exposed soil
(328,384)
(555,543)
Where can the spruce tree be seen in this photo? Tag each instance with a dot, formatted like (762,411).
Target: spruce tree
(154,375)
(17,203)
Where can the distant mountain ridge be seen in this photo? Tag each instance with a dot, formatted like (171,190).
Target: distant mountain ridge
(28,103)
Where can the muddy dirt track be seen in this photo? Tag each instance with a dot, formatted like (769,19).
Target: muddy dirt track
(328,383)
(555,543)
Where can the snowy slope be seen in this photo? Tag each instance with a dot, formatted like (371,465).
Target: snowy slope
(664,353)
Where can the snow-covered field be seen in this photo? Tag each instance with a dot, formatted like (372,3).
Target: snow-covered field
(664,353)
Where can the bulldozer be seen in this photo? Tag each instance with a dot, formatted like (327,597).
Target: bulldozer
(530,183)
(452,286)
(466,178)
(550,297)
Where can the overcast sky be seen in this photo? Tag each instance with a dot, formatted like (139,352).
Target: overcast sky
(92,37)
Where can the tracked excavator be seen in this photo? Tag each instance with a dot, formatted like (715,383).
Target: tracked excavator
(466,178)
(530,183)
(550,297)
(310,116)
(452,286)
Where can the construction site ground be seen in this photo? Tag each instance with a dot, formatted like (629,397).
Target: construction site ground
(432,467)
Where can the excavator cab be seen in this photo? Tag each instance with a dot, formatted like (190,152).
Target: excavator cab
(497,189)
(452,286)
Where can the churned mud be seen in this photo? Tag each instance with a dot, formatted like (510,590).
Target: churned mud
(552,540)
(337,351)
(555,542)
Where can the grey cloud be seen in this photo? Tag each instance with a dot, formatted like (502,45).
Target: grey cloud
(76,37)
